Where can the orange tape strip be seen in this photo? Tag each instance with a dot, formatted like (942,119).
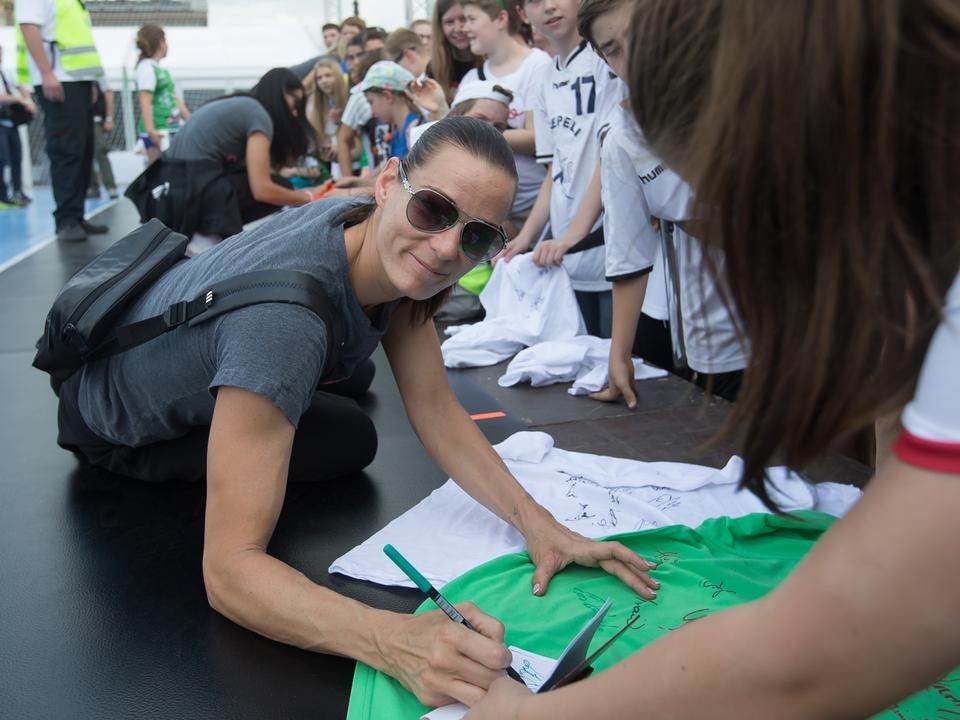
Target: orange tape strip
(488,416)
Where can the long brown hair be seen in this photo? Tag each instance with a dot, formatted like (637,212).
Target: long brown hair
(476,137)
(441,53)
(320,108)
(821,138)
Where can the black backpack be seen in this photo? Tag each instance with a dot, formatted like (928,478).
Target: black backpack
(81,325)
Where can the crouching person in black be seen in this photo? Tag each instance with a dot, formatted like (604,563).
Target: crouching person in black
(221,170)
(240,400)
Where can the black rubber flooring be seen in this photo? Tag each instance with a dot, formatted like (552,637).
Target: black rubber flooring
(102,607)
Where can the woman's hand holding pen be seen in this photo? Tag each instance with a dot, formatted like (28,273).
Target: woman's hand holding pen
(441,661)
(552,547)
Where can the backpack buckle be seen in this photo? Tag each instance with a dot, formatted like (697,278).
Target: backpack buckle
(176,314)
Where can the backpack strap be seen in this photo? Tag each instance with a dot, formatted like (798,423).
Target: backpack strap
(253,288)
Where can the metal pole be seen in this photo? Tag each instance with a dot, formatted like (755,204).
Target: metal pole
(356,8)
(129,131)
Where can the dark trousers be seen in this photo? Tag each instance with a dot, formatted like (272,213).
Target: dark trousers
(334,438)
(69,133)
(652,343)
(229,204)
(597,311)
(101,160)
(11,155)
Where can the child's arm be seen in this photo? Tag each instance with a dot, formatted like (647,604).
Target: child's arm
(627,302)
(536,221)
(551,252)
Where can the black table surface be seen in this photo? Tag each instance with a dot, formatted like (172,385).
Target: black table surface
(102,608)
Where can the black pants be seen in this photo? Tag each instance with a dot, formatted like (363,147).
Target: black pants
(69,134)
(334,438)
(229,204)
(11,155)
(652,343)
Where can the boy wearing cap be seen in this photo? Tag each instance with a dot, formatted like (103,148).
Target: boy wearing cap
(385,86)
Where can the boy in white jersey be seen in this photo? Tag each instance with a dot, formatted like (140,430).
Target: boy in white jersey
(637,186)
(577,97)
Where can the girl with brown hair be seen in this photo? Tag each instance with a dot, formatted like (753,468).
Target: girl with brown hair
(451,57)
(494,29)
(161,109)
(326,98)
(821,138)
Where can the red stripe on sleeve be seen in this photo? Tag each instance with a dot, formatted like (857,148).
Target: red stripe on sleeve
(928,454)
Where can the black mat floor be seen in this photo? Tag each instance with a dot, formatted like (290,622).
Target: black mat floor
(102,607)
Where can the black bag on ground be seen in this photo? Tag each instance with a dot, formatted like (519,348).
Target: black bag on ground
(81,325)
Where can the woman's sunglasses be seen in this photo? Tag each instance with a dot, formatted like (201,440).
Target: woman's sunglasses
(431,212)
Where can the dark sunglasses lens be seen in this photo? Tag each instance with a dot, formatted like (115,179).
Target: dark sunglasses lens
(481,242)
(429,212)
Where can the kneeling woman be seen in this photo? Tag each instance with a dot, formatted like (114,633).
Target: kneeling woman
(236,399)
(232,149)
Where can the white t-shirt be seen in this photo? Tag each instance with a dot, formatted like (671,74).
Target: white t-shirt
(576,101)
(43,13)
(653,190)
(144,75)
(524,83)
(357,112)
(931,421)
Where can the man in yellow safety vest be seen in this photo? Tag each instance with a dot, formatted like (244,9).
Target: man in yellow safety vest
(57,56)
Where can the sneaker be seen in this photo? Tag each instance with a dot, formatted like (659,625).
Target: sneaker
(71,233)
(90,229)
(7,205)
(113,194)
(20,200)
(93,193)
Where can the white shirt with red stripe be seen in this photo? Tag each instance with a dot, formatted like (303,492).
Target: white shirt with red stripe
(931,421)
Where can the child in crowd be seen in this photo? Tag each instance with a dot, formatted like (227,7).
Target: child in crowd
(576,100)
(361,137)
(636,187)
(326,98)
(494,32)
(353,54)
(331,37)
(424,31)
(161,110)
(405,48)
(11,150)
(374,38)
(451,57)
(351,27)
(102,108)
(385,86)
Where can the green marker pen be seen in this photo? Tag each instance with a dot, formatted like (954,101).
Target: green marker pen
(421,582)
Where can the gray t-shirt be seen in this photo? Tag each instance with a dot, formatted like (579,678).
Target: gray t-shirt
(163,388)
(219,130)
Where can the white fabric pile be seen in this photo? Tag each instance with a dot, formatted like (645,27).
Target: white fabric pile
(525,305)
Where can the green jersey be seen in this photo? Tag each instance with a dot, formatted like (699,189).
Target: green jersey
(723,563)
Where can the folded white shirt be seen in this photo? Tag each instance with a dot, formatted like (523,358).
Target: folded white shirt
(449,533)
(524,305)
(583,359)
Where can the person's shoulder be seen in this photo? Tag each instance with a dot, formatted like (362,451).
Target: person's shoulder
(473,75)
(537,58)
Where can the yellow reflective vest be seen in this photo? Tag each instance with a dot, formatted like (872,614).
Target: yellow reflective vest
(72,42)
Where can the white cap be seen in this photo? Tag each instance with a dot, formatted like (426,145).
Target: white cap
(479,90)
